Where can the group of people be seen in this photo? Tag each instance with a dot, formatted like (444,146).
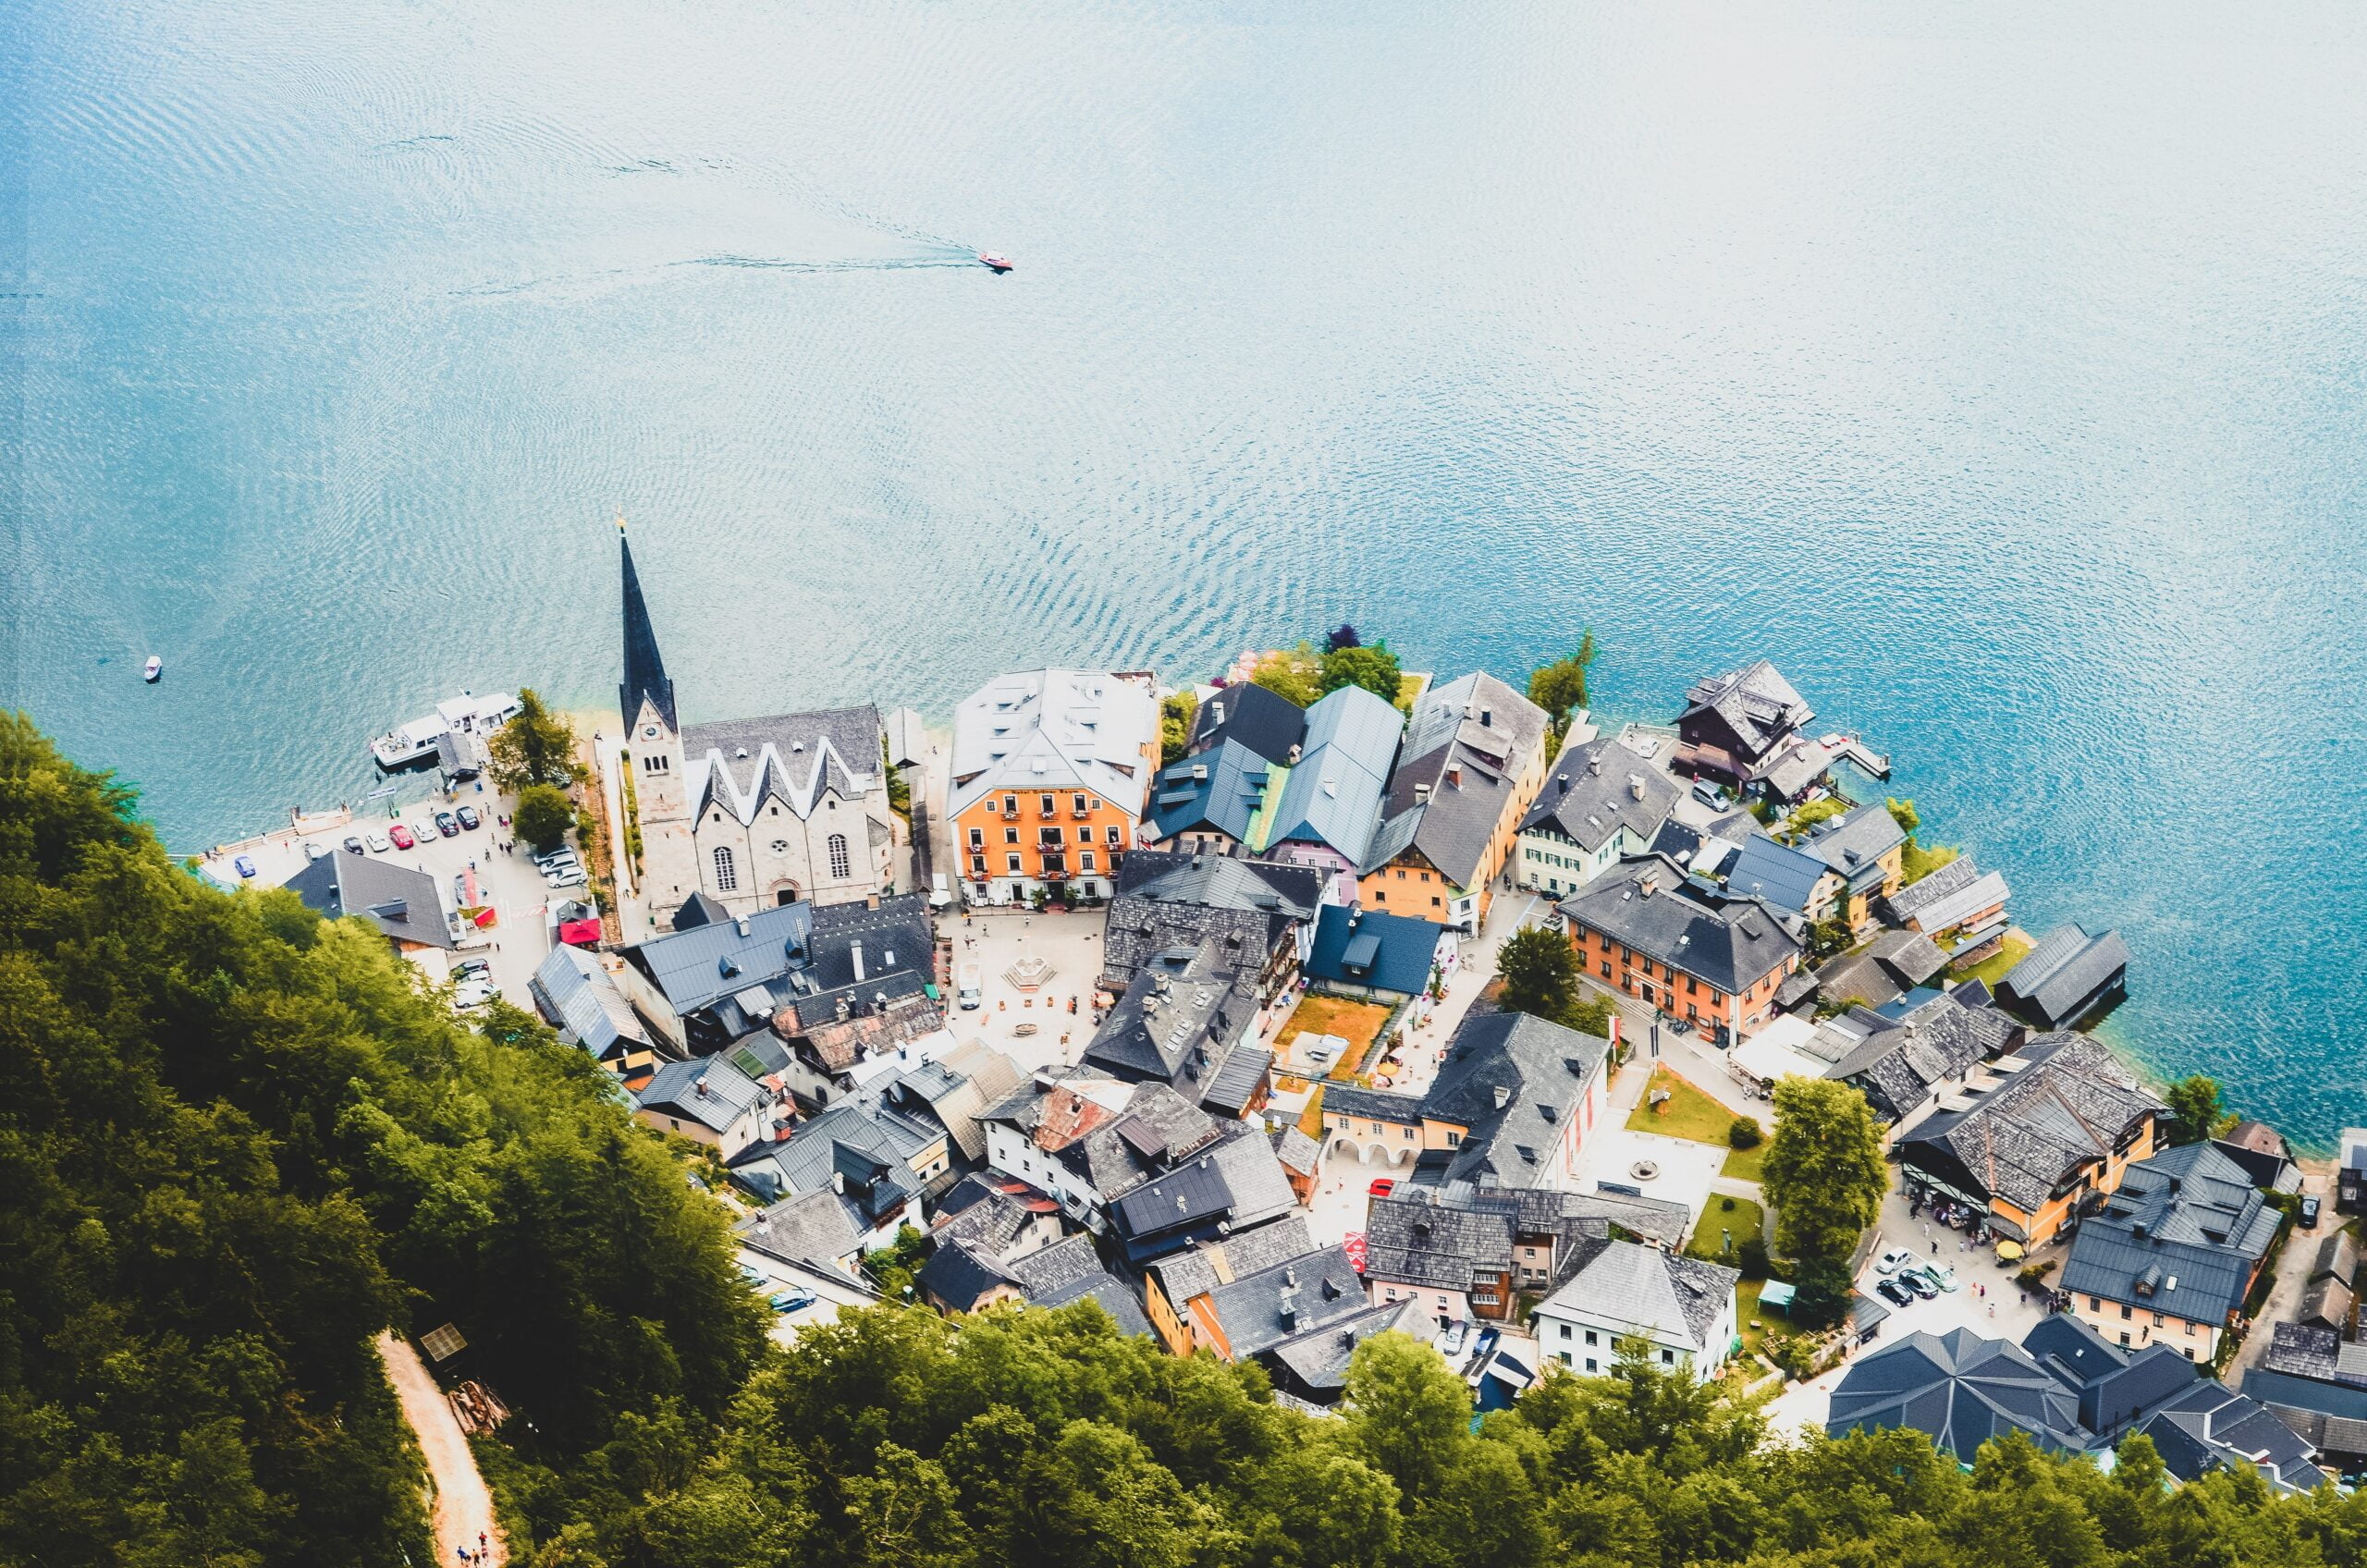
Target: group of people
(483,1556)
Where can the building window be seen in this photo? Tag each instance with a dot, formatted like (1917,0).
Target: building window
(2125,1312)
(1010,806)
(977,839)
(1668,1358)
(1113,833)
(1590,1364)
(1078,803)
(1566,1330)
(727,871)
(1085,860)
(1046,803)
(1014,862)
(840,865)
(1590,1339)
(1606,969)
(1566,1359)
(979,865)
(1010,835)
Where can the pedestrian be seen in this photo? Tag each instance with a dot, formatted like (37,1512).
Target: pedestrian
(1935,1249)
(480,1546)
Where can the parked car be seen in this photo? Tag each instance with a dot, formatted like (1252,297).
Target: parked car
(792,1301)
(400,836)
(1450,1340)
(550,858)
(552,865)
(2310,1210)
(446,826)
(470,819)
(754,1276)
(1381,1187)
(1913,1279)
(569,876)
(377,842)
(242,865)
(473,969)
(1893,1292)
(312,852)
(1894,1260)
(472,993)
(353,844)
(1939,1274)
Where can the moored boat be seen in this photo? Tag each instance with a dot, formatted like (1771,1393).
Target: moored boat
(155,670)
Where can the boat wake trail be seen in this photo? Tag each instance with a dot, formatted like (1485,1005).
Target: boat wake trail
(952,258)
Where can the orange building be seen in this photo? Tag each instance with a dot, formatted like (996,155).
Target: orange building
(1050,771)
(1716,964)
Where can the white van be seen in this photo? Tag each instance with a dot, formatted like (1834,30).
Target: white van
(941,892)
(967,988)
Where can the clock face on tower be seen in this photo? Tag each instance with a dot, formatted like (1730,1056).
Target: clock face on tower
(649,732)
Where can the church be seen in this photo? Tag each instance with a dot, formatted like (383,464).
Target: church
(753,812)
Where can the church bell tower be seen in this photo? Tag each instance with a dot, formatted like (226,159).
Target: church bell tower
(669,873)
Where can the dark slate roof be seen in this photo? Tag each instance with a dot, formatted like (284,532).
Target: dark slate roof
(1071,1272)
(740,763)
(1960,1389)
(700,910)
(1184,1197)
(899,947)
(1181,1019)
(2071,1103)
(1911,958)
(1195,1271)
(396,899)
(1858,978)
(2181,1234)
(2113,1386)
(1236,1085)
(1316,1361)
(1260,1311)
(1415,1240)
(644,671)
(1917,896)
(1139,928)
(2210,1427)
(1756,701)
(694,969)
(1466,744)
(1333,793)
(1266,722)
(1173,877)
(1388,953)
(1542,1069)
(2065,975)
(1218,789)
(1731,945)
(1853,843)
(2319,1353)
(1782,876)
(958,1272)
(579,998)
(1597,788)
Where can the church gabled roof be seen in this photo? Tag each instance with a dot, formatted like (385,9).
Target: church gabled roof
(645,677)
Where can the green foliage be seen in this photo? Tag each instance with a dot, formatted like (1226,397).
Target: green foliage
(1825,1171)
(1539,971)
(2195,1102)
(1370,665)
(1821,1291)
(1916,862)
(1175,713)
(1809,816)
(892,1269)
(1904,814)
(537,747)
(1295,673)
(239,1142)
(1830,936)
(1751,1257)
(1560,688)
(899,787)
(1343,636)
(1746,1134)
(544,815)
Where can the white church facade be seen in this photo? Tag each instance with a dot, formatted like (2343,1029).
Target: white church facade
(756,812)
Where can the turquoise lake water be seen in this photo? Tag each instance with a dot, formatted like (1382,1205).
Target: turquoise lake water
(1996,370)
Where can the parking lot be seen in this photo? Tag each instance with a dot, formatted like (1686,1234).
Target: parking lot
(513,945)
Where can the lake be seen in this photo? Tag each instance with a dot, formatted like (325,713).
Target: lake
(1995,370)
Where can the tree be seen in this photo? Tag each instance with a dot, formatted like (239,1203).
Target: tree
(899,784)
(2195,1102)
(1370,665)
(1539,972)
(1175,714)
(1343,637)
(1560,688)
(1830,936)
(544,815)
(1745,1132)
(537,747)
(1904,814)
(1292,673)
(1824,1170)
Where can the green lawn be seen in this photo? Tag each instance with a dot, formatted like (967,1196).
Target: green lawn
(1990,970)
(1746,1220)
(1746,1319)
(1688,1113)
(1744,1165)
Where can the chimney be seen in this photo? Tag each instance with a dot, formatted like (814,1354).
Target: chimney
(1594,763)
(1504,1096)
(1215,711)
(871,902)
(1455,776)
(1487,718)
(1421,794)
(857,948)
(1562,783)
(1199,772)
(1648,883)
(1635,786)
(701,1086)
(740,926)
(837,1181)
(1294,761)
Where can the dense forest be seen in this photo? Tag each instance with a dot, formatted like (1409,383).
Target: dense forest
(239,1141)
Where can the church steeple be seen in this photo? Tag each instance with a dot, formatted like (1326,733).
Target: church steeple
(645,669)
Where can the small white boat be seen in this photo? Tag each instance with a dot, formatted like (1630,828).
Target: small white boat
(988,259)
(155,670)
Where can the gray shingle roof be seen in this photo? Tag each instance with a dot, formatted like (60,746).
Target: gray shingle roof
(695,968)
(1318,1360)
(1333,795)
(2061,980)
(960,1272)
(1198,1270)
(1756,703)
(1853,843)
(1729,945)
(813,1227)
(1070,1271)
(1669,1296)
(1782,876)
(1182,1018)
(2071,1104)
(1543,1069)
(1897,1067)
(1468,741)
(396,899)
(1415,1240)
(675,1089)
(1597,788)
(1955,909)
(1287,1301)
(582,1000)
(742,763)
(1917,896)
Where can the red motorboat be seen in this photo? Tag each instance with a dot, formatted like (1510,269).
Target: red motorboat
(999,263)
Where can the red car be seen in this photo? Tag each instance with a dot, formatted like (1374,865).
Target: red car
(400,837)
(1381,1188)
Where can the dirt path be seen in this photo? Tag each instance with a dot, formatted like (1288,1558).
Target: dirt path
(463,1507)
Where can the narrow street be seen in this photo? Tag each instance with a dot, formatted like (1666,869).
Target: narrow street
(460,1503)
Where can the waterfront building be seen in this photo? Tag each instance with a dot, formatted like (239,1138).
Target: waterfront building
(1472,764)
(2173,1253)
(753,812)
(1051,769)
(1601,804)
(1328,808)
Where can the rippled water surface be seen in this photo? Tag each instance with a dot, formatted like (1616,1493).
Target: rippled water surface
(1995,370)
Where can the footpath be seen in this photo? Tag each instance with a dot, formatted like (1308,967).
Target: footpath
(462,1503)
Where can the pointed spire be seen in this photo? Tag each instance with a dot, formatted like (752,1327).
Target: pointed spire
(645,669)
